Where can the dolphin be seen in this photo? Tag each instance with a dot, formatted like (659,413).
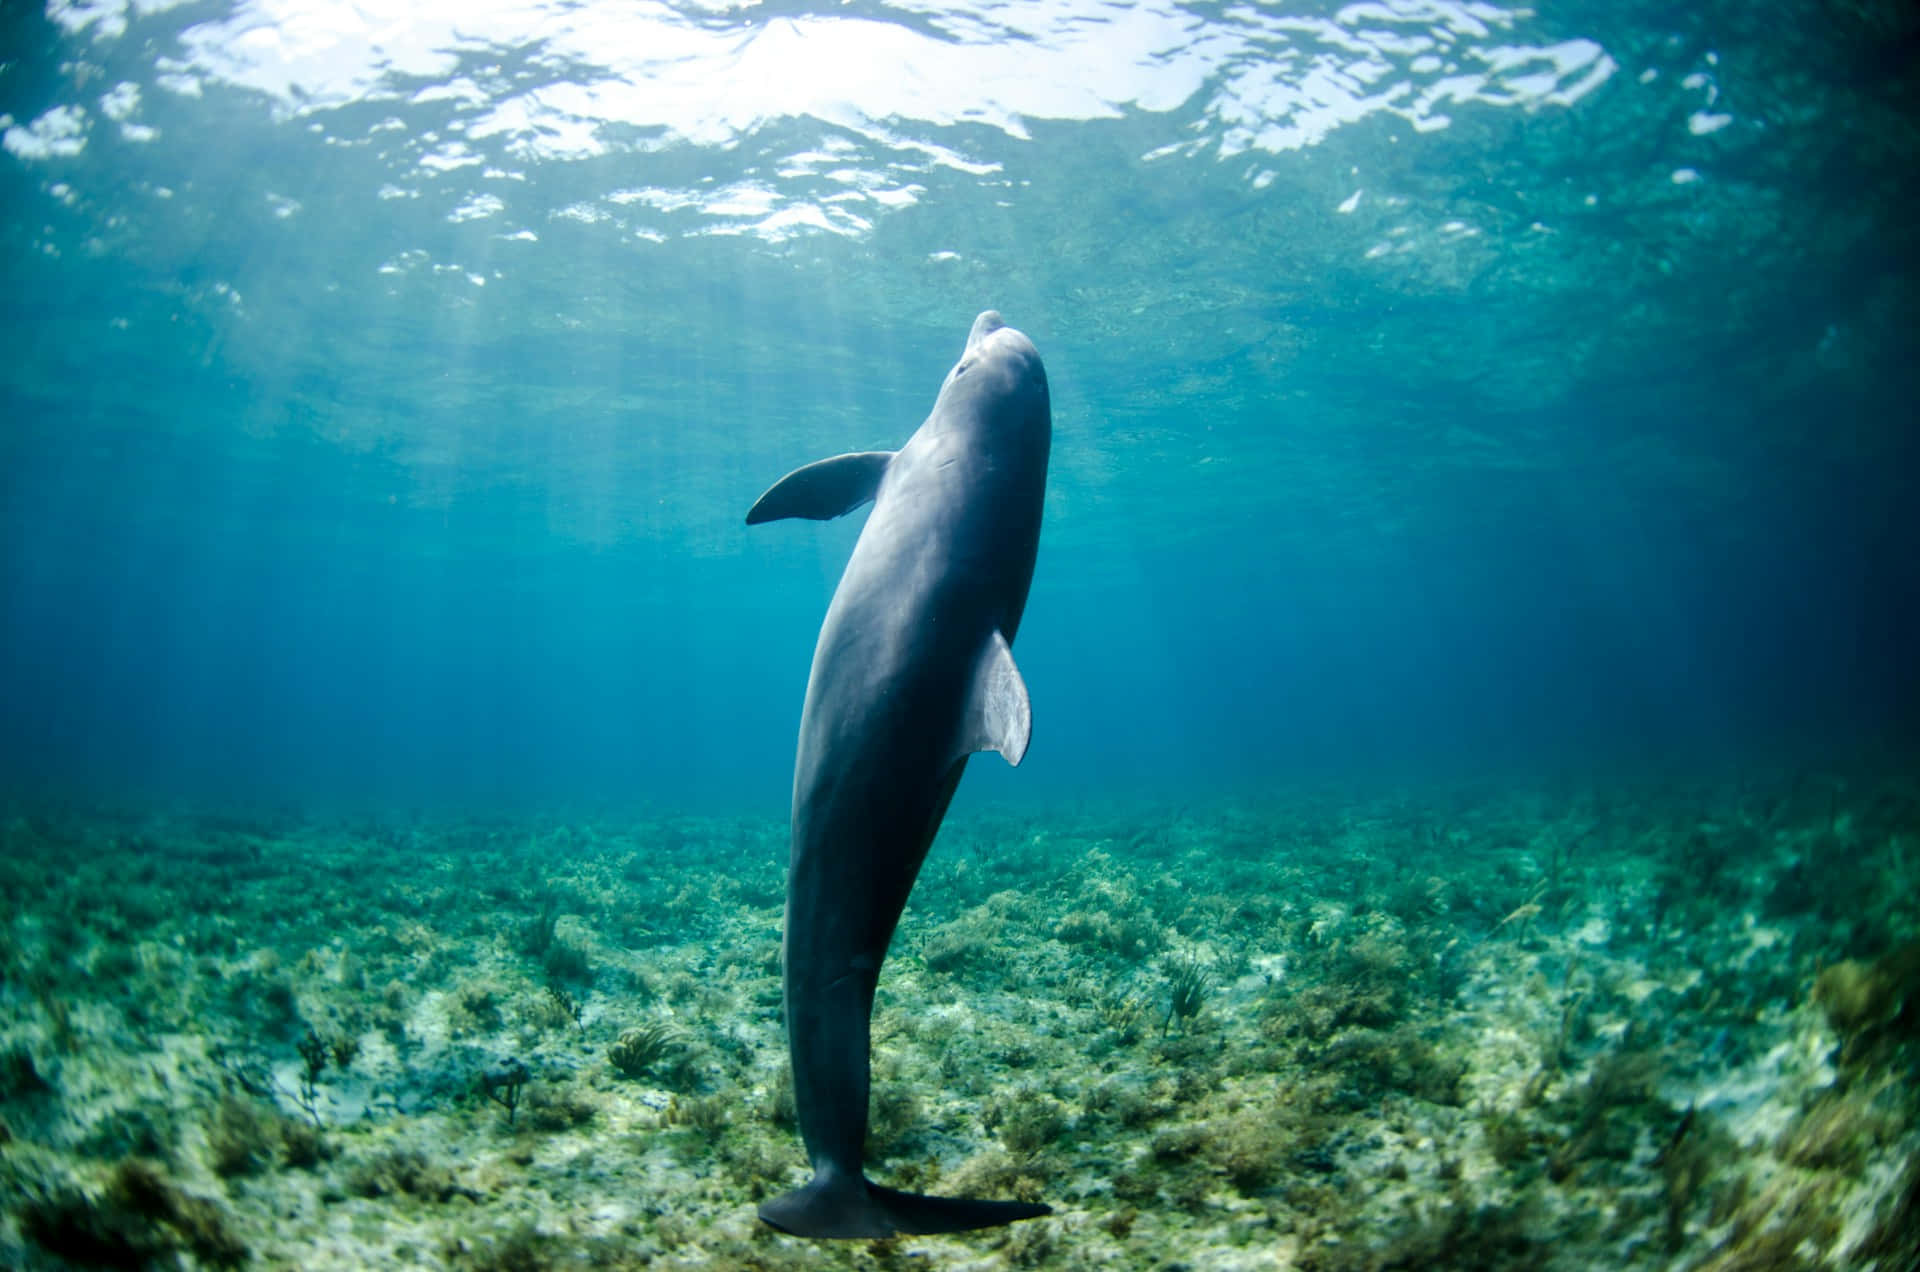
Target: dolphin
(913,673)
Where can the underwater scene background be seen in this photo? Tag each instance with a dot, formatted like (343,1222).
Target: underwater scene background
(1472,813)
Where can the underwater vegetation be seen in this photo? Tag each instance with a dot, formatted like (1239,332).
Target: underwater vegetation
(1670,1028)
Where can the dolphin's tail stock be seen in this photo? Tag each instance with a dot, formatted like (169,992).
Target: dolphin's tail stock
(849,1206)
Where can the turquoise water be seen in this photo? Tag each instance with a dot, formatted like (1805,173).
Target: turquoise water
(1470,820)
(1437,387)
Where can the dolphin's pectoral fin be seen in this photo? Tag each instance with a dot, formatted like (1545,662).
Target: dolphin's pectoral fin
(823,490)
(999,716)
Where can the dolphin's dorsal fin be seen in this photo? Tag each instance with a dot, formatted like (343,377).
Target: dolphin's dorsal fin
(823,490)
(999,717)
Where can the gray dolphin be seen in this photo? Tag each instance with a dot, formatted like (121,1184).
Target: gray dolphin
(912,674)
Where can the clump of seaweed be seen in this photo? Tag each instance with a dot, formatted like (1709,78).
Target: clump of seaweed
(1777,1228)
(138,1131)
(1130,936)
(1688,1164)
(1836,1132)
(1397,1059)
(567,961)
(1027,1120)
(404,1172)
(302,1146)
(1489,1237)
(1608,1110)
(476,1007)
(1366,981)
(1252,1152)
(314,1054)
(780,1107)
(523,1249)
(1189,985)
(139,1220)
(559,1107)
(992,1173)
(242,1137)
(20,1077)
(1125,1018)
(503,1084)
(707,1117)
(558,1007)
(1874,1007)
(1126,1104)
(968,943)
(893,1109)
(1894,1240)
(657,1049)
(535,935)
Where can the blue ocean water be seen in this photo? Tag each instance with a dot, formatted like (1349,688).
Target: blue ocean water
(1471,813)
(1439,388)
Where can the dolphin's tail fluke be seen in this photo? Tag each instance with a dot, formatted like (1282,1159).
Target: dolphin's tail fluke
(843,1207)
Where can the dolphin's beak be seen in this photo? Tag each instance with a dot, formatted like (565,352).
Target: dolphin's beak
(983,326)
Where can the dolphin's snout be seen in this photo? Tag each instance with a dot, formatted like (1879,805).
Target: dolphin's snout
(985,325)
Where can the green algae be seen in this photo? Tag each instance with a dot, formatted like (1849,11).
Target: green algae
(139,1219)
(1444,1029)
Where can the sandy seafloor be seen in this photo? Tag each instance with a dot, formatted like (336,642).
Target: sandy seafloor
(1586,1027)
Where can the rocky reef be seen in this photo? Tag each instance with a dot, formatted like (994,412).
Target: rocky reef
(1617,1027)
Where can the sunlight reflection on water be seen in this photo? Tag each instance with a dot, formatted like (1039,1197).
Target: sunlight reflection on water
(527,82)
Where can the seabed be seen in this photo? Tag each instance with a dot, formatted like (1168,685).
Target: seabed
(1632,1027)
